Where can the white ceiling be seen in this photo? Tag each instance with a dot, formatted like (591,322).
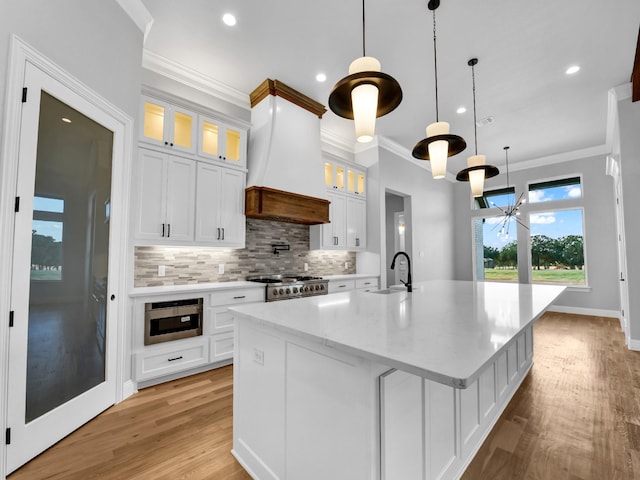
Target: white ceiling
(523,48)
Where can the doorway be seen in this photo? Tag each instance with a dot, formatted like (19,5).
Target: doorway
(65,275)
(397,235)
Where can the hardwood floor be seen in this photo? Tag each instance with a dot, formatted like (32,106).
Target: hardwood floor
(576,417)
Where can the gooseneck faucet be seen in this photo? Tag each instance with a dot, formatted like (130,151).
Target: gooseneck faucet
(393,264)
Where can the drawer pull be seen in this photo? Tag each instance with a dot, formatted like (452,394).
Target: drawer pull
(238,297)
(341,286)
(367,283)
(174,359)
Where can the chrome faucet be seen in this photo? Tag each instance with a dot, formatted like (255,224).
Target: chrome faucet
(393,264)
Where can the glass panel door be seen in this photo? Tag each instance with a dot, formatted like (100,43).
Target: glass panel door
(62,347)
(69,257)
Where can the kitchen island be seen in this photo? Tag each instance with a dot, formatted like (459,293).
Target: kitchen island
(365,385)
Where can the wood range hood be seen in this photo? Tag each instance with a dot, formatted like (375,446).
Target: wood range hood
(270,204)
(285,180)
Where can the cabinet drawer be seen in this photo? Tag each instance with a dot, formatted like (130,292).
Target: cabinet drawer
(367,283)
(221,346)
(237,295)
(336,286)
(158,362)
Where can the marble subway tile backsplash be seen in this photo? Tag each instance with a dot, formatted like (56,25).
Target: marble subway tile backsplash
(186,265)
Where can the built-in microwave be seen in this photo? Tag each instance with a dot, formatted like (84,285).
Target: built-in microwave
(172,320)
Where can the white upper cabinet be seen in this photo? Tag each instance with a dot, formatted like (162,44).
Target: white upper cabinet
(167,125)
(344,178)
(356,224)
(166,203)
(222,142)
(220,219)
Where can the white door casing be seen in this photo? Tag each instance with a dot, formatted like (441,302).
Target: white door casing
(30,69)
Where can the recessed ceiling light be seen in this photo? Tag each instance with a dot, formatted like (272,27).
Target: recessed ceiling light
(461,110)
(572,69)
(321,77)
(229,19)
(65,120)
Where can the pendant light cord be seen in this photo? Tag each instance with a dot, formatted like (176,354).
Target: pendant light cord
(506,154)
(435,61)
(363,40)
(475,123)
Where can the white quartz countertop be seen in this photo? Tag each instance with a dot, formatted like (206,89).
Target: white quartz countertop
(446,331)
(194,287)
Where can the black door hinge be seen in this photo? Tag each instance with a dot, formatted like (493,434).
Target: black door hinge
(7,436)
(11,318)
(24,94)
(17,205)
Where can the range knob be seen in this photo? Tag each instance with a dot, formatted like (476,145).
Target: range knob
(281,291)
(275,291)
(321,287)
(288,291)
(295,289)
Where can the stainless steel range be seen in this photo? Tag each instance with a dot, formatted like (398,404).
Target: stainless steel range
(285,287)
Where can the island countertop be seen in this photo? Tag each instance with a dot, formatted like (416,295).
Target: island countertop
(446,331)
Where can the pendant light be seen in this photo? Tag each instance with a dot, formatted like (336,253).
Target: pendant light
(477,169)
(511,211)
(439,144)
(365,94)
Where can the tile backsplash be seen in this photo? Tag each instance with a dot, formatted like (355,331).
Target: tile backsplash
(186,265)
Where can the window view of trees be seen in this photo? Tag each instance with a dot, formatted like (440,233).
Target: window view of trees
(46,257)
(46,238)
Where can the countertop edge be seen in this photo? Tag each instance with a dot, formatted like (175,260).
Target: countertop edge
(195,287)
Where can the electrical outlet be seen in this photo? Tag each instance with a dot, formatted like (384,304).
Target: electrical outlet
(162,270)
(221,268)
(346,265)
(258,356)
(306,267)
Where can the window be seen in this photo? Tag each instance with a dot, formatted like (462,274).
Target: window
(496,249)
(557,247)
(564,189)
(495,198)
(46,240)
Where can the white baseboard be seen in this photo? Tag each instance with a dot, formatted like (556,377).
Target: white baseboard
(634,344)
(128,389)
(595,312)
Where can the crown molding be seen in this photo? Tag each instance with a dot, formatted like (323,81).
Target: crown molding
(598,150)
(405,153)
(338,142)
(194,79)
(139,14)
(622,92)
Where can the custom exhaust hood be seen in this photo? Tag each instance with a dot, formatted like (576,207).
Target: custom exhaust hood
(285,180)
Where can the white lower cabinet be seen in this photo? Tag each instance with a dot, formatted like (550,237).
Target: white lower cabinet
(349,284)
(367,284)
(176,358)
(337,286)
(220,324)
(171,357)
(454,421)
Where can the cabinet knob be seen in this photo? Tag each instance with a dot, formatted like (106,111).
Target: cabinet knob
(166,143)
(113,297)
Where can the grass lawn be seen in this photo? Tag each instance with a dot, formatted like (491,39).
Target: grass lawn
(46,274)
(565,277)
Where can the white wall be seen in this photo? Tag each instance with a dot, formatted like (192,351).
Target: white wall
(96,43)
(600,229)
(629,122)
(431,215)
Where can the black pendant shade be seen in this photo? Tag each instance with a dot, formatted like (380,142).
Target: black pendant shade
(389,93)
(456,145)
(489,172)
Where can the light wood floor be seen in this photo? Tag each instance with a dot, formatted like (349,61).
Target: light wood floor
(576,416)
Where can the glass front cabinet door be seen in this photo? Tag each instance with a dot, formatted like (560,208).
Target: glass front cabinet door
(334,175)
(222,142)
(168,125)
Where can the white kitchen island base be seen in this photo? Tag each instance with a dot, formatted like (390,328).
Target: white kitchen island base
(308,405)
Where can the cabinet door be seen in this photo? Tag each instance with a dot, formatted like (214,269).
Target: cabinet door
(334,175)
(338,220)
(167,125)
(222,142)
(152,198)
(208,201)
(181,187)
(232,219)
(355,182)
(356,223)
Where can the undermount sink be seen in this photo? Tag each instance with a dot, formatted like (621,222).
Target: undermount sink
(387,291)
